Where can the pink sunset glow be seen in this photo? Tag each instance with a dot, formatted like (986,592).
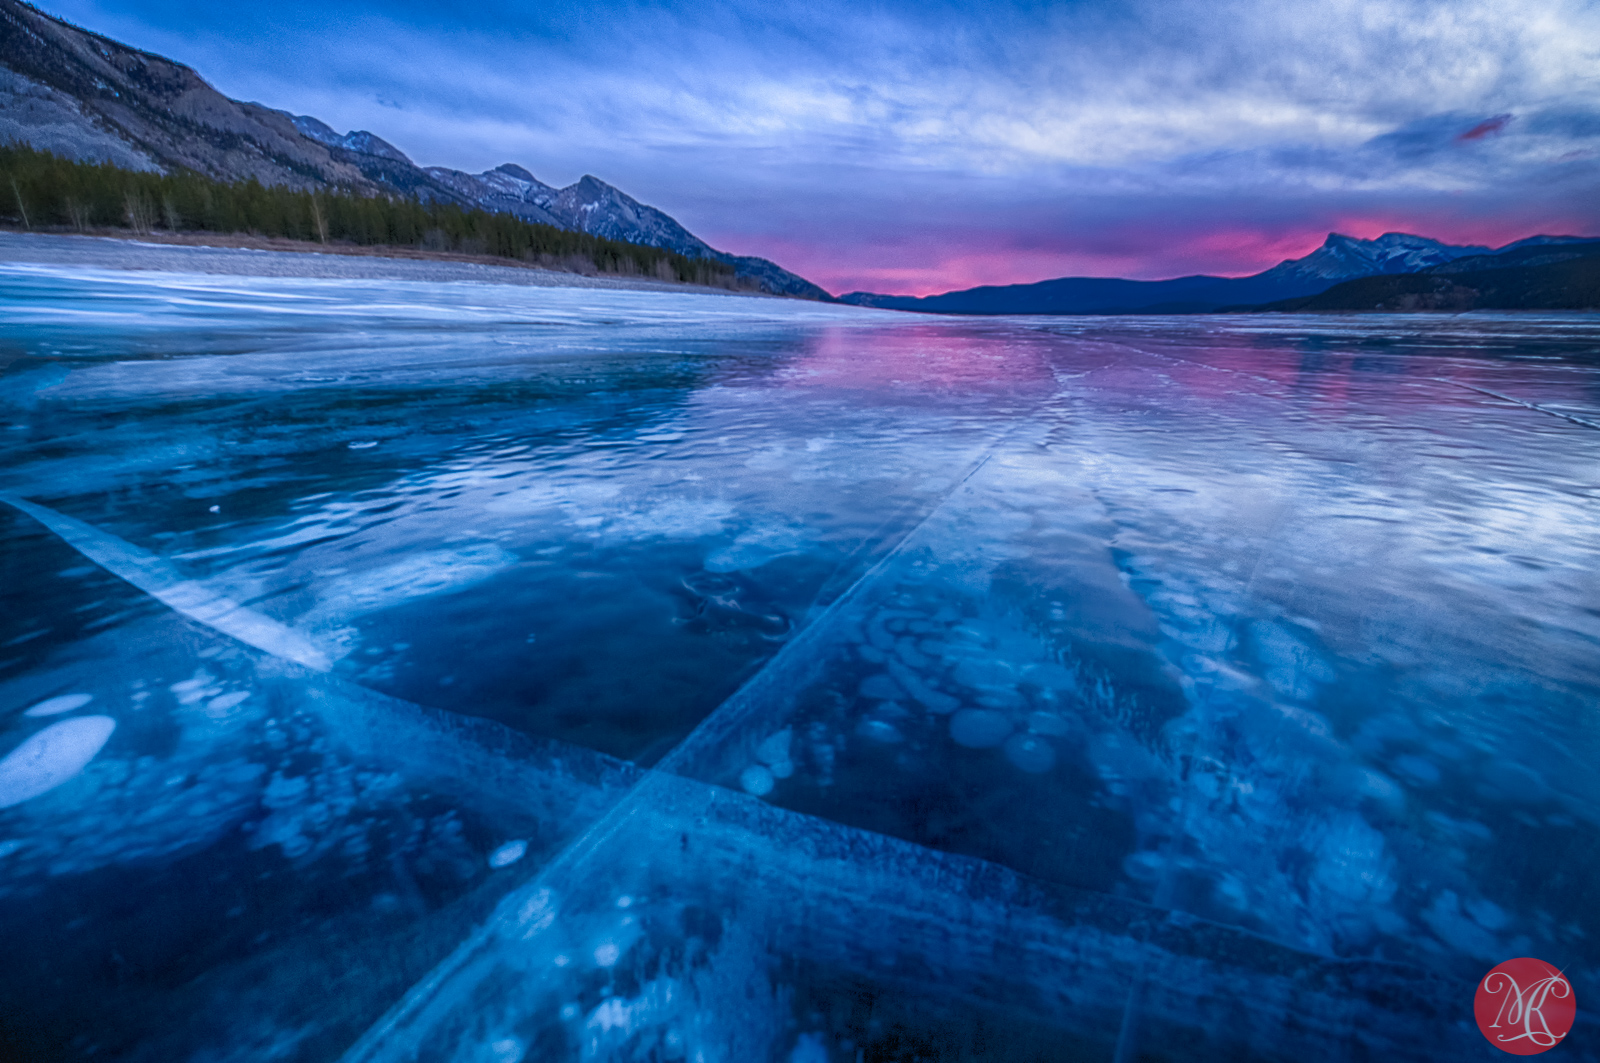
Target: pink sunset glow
(1137,250)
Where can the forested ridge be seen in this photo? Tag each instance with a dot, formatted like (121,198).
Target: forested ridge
(42,191)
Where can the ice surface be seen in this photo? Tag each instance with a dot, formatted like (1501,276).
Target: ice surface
(1207,688)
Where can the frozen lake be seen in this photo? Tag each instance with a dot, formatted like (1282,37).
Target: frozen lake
(398,671)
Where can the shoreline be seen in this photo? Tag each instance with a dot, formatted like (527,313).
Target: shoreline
(253,256)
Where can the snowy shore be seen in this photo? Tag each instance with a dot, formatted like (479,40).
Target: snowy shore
(110,252)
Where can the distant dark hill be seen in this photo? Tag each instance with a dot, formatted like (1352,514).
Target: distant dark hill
(1538,276)
(1339,258)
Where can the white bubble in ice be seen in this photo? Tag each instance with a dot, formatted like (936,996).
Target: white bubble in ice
(221,705)
(506,1050)
(56,706)
(1030,753)
(569,1011)
(508,854)
(879,731)
(362,444)
(979,728)
(51,757)
(776,748)
(756,780)
(781,770)
(607,954)
(624,901)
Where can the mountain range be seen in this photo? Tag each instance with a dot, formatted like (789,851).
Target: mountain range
(1340,258)
(86,97)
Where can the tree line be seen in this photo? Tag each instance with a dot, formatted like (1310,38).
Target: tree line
(41,190)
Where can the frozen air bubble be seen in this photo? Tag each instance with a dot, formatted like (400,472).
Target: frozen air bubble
(1379,787)
(1030,754)
(782,770)
(757,780)
(363,444)
(507,1050)
(56,706)
(879,731)
(508,854)
(979,728)
(607,954)
(220,705)
(51,757)
(775,749)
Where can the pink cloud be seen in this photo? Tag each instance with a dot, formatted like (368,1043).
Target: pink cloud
(1487,128)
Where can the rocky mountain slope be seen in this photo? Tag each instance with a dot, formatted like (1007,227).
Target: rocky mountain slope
(590,205)
(1339,258)
(85,96)
(1538,274)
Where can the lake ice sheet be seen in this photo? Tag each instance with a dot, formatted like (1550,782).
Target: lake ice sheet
(500,673)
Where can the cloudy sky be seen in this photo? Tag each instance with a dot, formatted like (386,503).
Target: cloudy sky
(923,146)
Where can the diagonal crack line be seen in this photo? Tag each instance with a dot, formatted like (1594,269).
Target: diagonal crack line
(193,598)
(412,1009)
(797,653)
(156,577)
(1519,402)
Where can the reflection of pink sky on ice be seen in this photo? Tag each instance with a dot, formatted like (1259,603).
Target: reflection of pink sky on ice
(944,355)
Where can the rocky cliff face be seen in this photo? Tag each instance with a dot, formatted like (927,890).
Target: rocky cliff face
(507,189)
(84,96)
(71,90)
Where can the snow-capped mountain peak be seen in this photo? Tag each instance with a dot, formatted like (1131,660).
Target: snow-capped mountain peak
(358,140)
(1343,257)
